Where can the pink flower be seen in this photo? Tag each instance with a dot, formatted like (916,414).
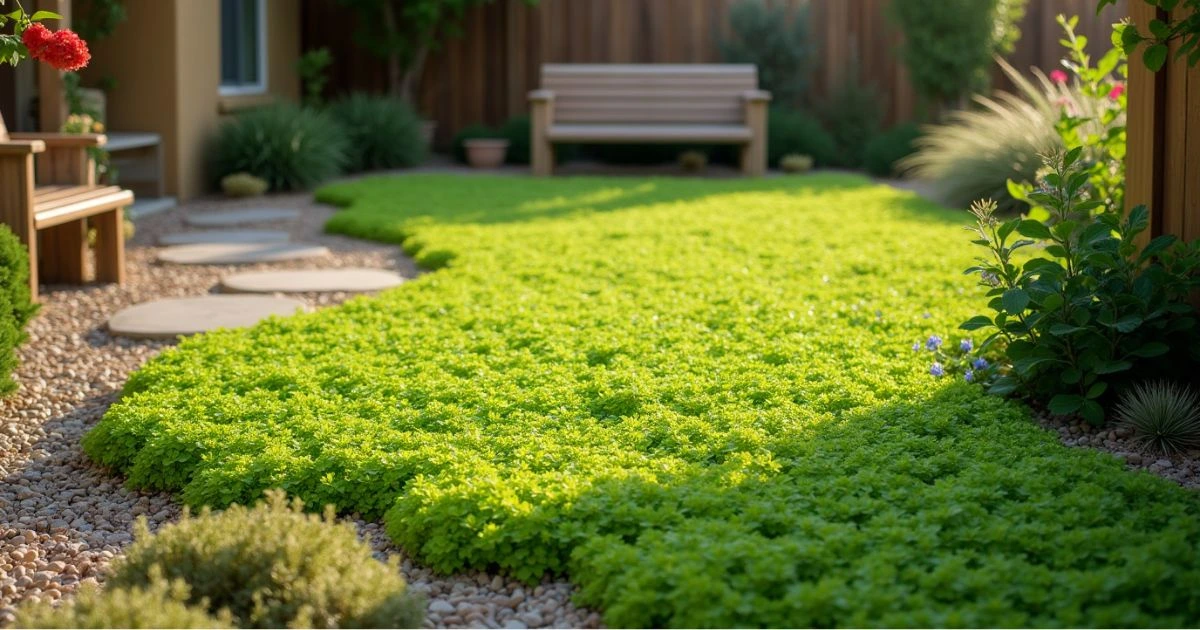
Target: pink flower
(1058,76)
(1117,91)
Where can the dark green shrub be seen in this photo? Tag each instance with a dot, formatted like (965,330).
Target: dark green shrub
(517,131)
(1079,326)
(794,132)
(885,150)
(159,605)
(472,132)
(383,132)
(949,45)
(16,308)
(273,566)
(292,148)
(853,115)
(780,47)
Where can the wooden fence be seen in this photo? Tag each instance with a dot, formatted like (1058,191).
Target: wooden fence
(484,75)
(1163,156)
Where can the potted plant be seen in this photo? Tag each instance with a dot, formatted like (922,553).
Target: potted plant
(486,150)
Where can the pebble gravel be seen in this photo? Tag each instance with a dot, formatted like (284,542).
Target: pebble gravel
(63,520)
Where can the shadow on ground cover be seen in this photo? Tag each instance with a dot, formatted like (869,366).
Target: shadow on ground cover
(700,401)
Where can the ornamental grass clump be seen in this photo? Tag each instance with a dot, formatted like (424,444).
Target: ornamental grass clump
(1164,417)
(290,147)
(272,566)
(383,132)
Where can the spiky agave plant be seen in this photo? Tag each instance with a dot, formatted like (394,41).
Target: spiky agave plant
(974,153)
(1164,417)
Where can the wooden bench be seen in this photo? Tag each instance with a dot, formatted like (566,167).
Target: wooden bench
(49,207)
(659,103)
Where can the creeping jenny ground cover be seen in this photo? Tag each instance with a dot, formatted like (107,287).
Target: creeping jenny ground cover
(699,399)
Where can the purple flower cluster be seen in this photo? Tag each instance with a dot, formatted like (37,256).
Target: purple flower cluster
(944,362)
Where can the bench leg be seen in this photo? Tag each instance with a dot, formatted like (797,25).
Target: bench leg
(754,159)
(543,156)
(110,246)
(64,253)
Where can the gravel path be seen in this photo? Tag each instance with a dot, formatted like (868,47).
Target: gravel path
(62,519)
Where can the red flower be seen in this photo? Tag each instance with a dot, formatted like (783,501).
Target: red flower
(35,38)
(63,49)
(1117,91)
(1058,76)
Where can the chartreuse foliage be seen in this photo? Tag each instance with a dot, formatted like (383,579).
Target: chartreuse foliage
(697,398)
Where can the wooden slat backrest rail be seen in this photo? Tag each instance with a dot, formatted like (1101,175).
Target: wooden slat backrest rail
(84,208)
(653,93)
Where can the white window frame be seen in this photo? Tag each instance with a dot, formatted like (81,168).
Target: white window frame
(260,87)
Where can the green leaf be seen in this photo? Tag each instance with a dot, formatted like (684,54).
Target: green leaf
(1033,229)
(1097,389)
(1015,300)
(1065,404)
(38,16)
(977,322)
(1151,350)
(1112,367)
(1155,57)
(1059,330)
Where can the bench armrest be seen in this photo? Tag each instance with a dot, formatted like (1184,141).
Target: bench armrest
(65,139)
(541,96)
(756,96)
(22,147)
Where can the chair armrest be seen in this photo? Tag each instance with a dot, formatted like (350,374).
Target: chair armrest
(756,96)
(65,139)
(22,147)
(541,96)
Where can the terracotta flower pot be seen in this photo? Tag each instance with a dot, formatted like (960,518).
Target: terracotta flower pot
(486,152)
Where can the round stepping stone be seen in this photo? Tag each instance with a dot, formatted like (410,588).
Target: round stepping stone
(224,236)
(312,280)
(238,253)
(173,317)
(229,218)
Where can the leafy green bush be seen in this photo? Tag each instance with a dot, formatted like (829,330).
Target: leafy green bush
(622,380)
(1078,326)
(517,131)
(853,115)
(790,131)
(292,148)
(886,149)
(949,45)
(159,605)
(16,307)
(975,153)
(781,47)
(272,566)
(383,132)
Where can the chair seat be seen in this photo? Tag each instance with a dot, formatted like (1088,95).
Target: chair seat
(55,205)
(622,132)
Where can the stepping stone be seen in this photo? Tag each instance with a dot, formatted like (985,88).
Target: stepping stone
(229,218)
(173,317)
(238,253)
(312,280)
(225,236)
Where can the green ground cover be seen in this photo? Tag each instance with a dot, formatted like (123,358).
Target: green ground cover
(699,399)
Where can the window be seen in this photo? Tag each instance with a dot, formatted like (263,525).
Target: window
(243,47)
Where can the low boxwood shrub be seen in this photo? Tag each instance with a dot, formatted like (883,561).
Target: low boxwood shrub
(696,398)
(382,132)
(792,131)
(16,308)
(853,115)
(159,605)
(290,147)
(885,150)
(272,566)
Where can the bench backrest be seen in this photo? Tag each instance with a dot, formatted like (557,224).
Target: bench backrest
(649,93)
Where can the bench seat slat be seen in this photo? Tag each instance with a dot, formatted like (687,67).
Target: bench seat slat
(83,201)
(649,133)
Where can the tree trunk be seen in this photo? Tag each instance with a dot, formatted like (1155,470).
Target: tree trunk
(395,65)
(412,76)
